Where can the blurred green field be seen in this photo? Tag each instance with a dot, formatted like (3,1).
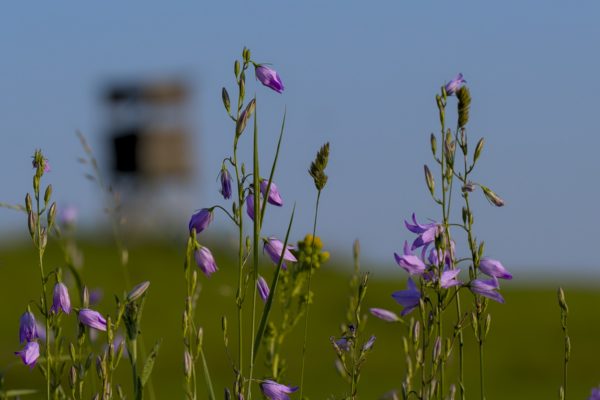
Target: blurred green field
(524,350)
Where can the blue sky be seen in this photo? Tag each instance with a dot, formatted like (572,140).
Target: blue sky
(361,75)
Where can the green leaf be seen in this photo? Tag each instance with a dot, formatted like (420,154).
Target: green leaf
(17,393)
(149,364)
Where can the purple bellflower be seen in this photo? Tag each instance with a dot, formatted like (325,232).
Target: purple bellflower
(27,327)
(595,395)
(250,205)
(29,354)
(274,196)
(263,288)
(269,77)
(201,220)
(409,298)
(225,177)
(449,278)
(276,391)
(384,314)
(61,299)
(426,232)
(67,216)
(205,261)
(274,249)
(95,296)
(455,84)
(92,318)
(493,268)
(411,263)
(343,344)
(487,288)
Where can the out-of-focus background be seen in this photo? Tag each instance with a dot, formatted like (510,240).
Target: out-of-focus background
(142,82)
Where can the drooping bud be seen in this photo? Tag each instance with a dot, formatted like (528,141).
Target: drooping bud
(433,141)
(492,197)
(269,77)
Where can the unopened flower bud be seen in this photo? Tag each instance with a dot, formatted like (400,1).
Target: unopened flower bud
(236,68)
(48,194)
(429,180)
(28,203)
(562,302)
(51,215)
(187,364)
(43,238)
(478,150)
(492,197)
(226,101)
(437,349)
(433,141)
(245,117)
(72,376)
(138,291)
(31,223)
(199,337)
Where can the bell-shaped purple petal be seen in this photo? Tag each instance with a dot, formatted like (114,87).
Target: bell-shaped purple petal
(29,354)
(263,288)
(274,249)
(343,344)
(425,238)
(450,278)
(384,314)
(92,318)
(494,268)
(276,391)
(417,228)
(225,178)
(455,84)
(409,298)
(205,261)
(61,299)
(274,196)
(487,288)
(201,220)
(369,343)
(411,263)
(27,327)
(269,77)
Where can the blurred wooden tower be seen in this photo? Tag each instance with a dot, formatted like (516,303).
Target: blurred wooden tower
(151,149)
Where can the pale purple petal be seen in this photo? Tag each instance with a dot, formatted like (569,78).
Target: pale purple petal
(384,314)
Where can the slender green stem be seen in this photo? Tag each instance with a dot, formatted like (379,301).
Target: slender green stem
(481,366)
(239,295)
(273,289)
(40,248)
(256,232)
(211,392)
(312,246)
